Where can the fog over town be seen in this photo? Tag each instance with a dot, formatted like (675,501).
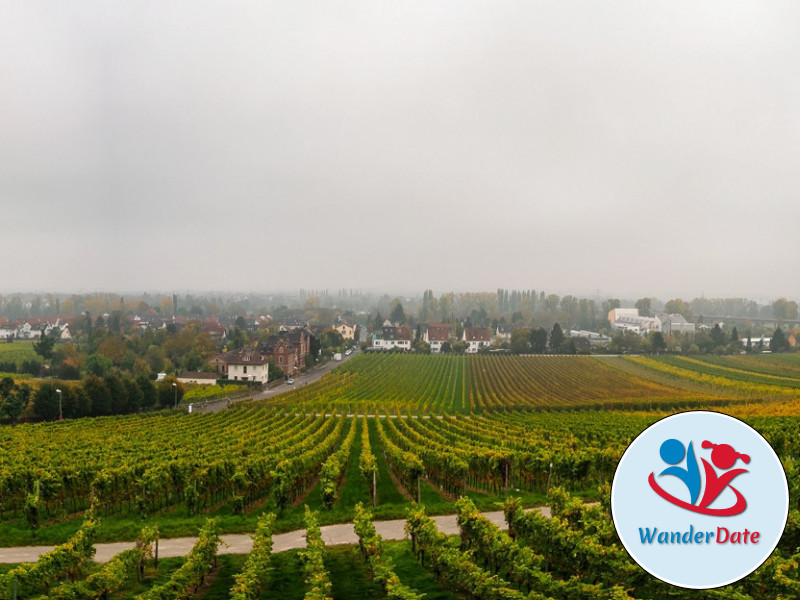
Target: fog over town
(619,149)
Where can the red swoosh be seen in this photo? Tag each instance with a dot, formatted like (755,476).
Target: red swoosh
(737,508)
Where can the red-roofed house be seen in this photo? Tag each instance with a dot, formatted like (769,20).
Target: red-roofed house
(436,335)
(477,338)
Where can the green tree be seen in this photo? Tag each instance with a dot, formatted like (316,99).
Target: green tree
(14,403)
(718,336)
(551,302)
(679,307)
(274,371)
(99,395)
(149,392)
(97,364)
(167,393)
(45,402)
(119,394)
(778,343)
(46,345)
(7,386)
(609,305)
(644,306)
(657,342)
(398,315)
(238,339)
(331,341)
(75,401)
(134,393)
(539,340)
(556,338)
(520,341)
(784,310)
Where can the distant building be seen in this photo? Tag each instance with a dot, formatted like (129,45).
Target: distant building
(594,338)
(503,332)
(675,323)
(288,351)
(616,313)
(346,329)
(198,378)
(476,338)
(248,364)
(628,319)
(220,363)
(391,337)
(436,335)
(282,353)
(215,330)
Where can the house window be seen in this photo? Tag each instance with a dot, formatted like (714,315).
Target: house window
(245,369)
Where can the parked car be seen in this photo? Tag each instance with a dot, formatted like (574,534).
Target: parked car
(290,381)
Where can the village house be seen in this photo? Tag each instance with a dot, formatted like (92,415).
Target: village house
(503,333)
(346,329)
(476,338)
(436,334)
(220,363)
(198,378)
(392,336)
(248,364)
(215,330)
(282,353)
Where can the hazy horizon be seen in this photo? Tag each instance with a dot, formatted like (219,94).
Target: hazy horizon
(635,149)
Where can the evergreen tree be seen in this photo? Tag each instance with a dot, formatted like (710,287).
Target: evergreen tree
(778,343)
(556,338)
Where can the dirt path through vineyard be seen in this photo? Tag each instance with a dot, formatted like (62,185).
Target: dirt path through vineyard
(333,535)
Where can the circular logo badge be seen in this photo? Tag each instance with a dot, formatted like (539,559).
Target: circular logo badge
(699,499)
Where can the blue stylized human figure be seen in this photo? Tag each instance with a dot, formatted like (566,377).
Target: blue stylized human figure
(672,452)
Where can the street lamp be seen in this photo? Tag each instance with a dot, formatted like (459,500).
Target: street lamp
(175,387)
(60,415)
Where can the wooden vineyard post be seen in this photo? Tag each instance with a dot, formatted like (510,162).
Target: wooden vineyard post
(549,476)
(374,488)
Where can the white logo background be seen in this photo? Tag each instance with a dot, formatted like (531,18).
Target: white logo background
(635,505)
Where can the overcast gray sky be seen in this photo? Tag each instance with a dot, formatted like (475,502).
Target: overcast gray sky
(642,148)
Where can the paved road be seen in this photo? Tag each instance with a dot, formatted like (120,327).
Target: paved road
(300,380)
(333,535)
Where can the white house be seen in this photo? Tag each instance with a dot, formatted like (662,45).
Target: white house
(6,331)
(25,331)
(198,378)
(502,333)
(628,319)
(435,336)
(476,338)
(247,364)
(392,337)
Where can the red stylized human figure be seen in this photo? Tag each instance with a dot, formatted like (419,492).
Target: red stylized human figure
(724,457)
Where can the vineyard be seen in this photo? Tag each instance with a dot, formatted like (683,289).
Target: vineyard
(381,432)
(736,375)
(16,352)
(466,384)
